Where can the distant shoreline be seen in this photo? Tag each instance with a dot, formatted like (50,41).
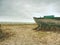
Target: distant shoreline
(17,22)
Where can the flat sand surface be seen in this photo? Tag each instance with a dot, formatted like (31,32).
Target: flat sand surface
(25,35)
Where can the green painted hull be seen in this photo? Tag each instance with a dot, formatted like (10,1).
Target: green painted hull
(47,22)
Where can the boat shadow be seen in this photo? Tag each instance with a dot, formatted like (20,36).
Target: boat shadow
(55,30)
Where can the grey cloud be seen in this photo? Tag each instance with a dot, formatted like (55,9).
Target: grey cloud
(27,9)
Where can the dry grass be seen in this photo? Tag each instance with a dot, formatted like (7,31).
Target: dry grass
(25,35)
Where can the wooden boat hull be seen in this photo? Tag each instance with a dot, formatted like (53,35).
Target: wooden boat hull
(43,23)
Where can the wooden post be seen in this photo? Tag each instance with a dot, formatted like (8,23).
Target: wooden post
(0,29)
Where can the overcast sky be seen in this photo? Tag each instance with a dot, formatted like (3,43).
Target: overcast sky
(25,10)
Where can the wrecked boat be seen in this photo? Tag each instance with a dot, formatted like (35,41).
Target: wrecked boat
(47,22)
